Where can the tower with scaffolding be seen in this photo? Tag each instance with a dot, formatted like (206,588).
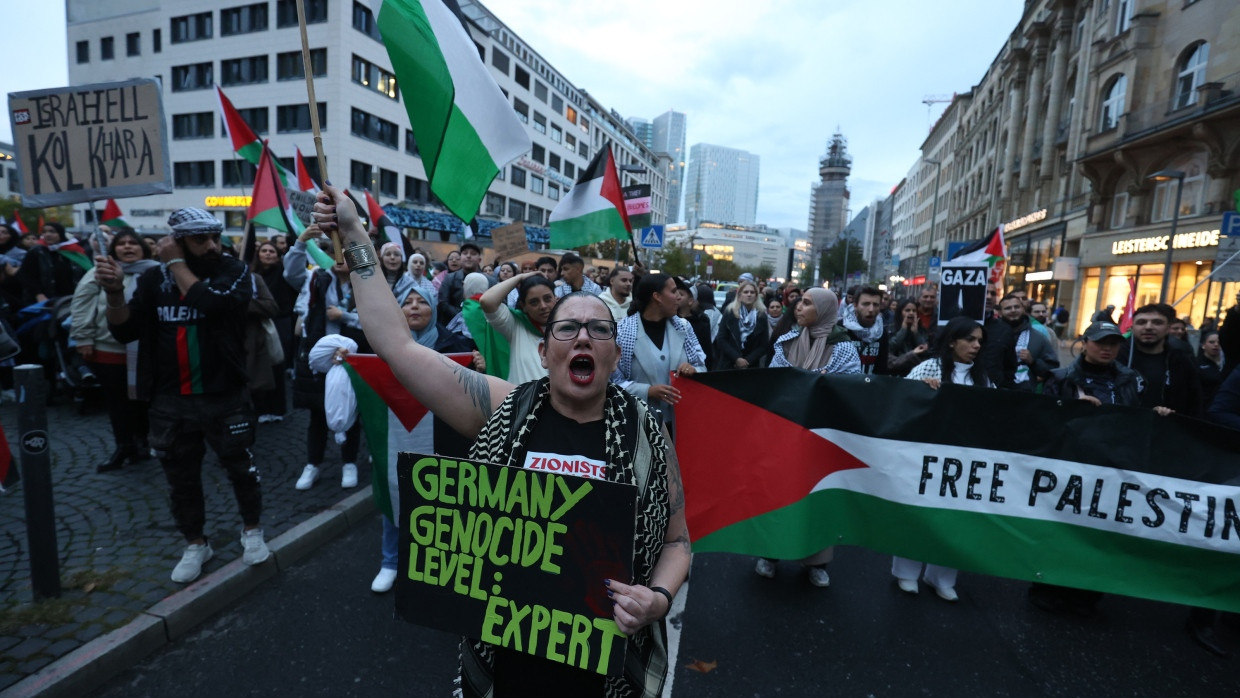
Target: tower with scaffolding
(828,202)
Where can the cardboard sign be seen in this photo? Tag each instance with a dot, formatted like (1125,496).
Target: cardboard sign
(90,142)
(302,203)
(962,291)
(509,241)
(516,557)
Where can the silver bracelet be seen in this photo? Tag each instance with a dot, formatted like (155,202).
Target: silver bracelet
(360,256)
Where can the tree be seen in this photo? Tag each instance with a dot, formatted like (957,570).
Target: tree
(30,216)
(831,263)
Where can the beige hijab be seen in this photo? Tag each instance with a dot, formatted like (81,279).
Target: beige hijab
(811,350)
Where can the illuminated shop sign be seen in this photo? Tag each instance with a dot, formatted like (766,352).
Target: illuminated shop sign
(1024,221)
(1039,276)
(227,201)
(1158,243)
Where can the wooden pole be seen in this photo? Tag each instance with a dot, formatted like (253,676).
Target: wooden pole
(308,68)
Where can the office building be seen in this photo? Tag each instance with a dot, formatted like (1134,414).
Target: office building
(721,186)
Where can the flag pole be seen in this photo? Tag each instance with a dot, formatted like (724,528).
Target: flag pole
(313,106)
(99,241)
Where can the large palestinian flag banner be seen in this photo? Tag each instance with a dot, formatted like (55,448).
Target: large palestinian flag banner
(783,463)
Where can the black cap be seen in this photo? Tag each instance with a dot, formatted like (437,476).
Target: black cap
(681,285)
(470,245)
(1102,329)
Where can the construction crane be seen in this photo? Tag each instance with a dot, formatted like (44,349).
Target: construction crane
(930,101)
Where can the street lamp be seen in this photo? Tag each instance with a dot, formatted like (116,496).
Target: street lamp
(1167,176)
(934,210)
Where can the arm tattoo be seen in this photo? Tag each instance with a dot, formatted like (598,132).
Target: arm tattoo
(365,272)
(475,386)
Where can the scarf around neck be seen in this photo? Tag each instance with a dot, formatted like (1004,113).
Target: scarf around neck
(866,334)
(812,347)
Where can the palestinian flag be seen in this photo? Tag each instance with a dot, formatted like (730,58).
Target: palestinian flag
(112,215)
(394,421)
(494,347)
(379,221)
(1130,306)
(991,250)
(244,142)
(304,181)
(1120,500)
(74,252)
(465,128)
(19,224)
(594,209)
(269,204)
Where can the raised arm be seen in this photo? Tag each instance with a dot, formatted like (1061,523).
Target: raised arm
(461,397)
(497,295)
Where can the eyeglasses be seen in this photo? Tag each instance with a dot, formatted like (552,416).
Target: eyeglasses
(567,330)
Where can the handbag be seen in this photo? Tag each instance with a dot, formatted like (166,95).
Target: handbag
(275,350)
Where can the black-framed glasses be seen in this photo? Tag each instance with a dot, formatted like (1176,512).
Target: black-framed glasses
(567,330)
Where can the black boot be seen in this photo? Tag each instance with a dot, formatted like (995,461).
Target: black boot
(114,461)
(140,452)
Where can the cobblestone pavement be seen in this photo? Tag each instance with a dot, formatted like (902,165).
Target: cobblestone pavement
(116,536)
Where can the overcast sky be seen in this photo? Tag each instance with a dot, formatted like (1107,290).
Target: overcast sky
(775,78)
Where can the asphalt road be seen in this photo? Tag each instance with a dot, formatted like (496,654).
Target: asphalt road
(317,630)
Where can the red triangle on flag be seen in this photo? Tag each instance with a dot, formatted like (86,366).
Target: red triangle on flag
(611,189)
(373,209)
(378,375)
(19,223)
(728,480)
(111,211)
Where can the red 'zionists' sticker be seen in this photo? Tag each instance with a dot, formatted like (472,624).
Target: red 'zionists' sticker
(21,116)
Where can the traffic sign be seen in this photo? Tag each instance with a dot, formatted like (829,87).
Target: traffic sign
(936,262)
(1226,262)
(697,258)
(652,238)
(1231,223)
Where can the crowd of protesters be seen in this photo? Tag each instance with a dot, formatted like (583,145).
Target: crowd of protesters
(186,343)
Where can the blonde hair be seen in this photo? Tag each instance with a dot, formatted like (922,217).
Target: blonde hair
(735,306)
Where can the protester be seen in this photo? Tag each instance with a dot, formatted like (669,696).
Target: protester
(556,413)
(864,322)
(573,278)
(280,241)
(1178,329)
(1039,319)
(1170,374)
(743,340)
(417,271)
(1211,366)
(326,306)
(687,309)
(520,328)
(506,271)
(1107,314)
(45,274)
(452,290)
(910,344)
(451,263)
(1035,355)
(819,345)
(654,342)
(960,342)
(791,297)
(393,264)
(272,404)
(706,301)
(112,362)
(619,293)
(928,310)
(190,335)
(774,312)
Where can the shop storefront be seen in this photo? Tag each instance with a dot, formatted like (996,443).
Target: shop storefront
(1109,261)
(1031,260)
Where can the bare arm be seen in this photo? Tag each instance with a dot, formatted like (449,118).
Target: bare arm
(497,295)
(461,397)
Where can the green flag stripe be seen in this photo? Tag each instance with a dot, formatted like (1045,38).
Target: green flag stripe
(605,224)
(373,412)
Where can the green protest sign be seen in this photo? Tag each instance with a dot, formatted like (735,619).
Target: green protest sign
(515,557)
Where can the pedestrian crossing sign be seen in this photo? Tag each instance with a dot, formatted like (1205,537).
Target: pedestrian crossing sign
(652,237)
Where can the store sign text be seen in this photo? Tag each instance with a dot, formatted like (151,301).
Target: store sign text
(1158,243)
(227,201)
(1024,220)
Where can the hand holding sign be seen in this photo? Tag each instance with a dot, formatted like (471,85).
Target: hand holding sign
(636,606)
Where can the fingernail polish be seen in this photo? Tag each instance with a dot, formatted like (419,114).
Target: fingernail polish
(610,593)
(329,183)
(607,582)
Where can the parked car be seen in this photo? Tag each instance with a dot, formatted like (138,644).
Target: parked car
(721,292)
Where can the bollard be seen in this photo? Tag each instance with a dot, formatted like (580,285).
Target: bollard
(36,465)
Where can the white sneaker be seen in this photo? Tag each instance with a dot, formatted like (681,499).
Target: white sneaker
(192,560)
(765,568)
(348,477)
(383,581)
(818,576)
(256,550)
(308,478)
(263,418)
(946,593)
(908,586)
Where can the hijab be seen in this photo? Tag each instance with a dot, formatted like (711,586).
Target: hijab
(429,334)
(811,349)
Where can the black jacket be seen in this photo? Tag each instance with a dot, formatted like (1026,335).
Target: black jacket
(1225,409)
(1177,386)
(728,346)
(1114,385)
(43,271)
(873,354)
(999,353)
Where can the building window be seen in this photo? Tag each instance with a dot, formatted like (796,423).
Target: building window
(244,71)
(244,19)
(1192,75)
(311,163)
(554,162)
(1123,15)
(557,134)
(289,67)
(553,192)
(133,44)
(196,76)
(570,114)
(295,118)
(286,12)
(540,123)
(583,150)
(256,117)
(569,170)
(372,128)
(157,41)
(538,154)
(557,104)
(411,145)
(196,125)
(107,48)
(540,91)
(518,177)
(535,216)
(522,110)
(1119,210)
(364,21)
(1190,198)
(536,184)
(238,173)
(571,141)
(1113,103)
(388,183)
(516,210)
(369,75)
(499,59)
(83,52)
(191,27)
(493,205)
(359,174)
(522,77)
(199,173)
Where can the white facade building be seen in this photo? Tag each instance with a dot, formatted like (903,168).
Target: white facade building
(721,186)
(747,247)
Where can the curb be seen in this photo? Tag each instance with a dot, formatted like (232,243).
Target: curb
(91,665)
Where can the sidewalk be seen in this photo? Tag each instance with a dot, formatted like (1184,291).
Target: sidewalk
(116,536)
